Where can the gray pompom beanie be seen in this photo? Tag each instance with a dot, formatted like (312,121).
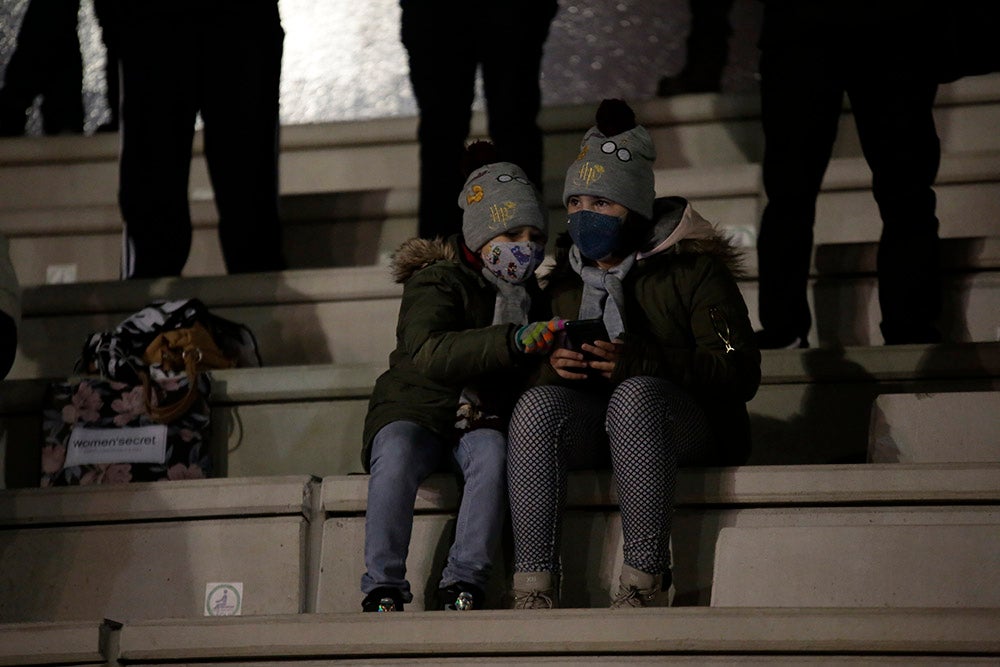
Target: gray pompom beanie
(497,197)
(619,168)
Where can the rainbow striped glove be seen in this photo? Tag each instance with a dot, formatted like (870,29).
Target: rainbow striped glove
(538,337)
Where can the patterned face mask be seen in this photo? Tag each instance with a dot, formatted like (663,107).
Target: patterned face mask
(513,261)
(597,235)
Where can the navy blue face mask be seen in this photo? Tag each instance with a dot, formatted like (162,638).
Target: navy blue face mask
(597,235)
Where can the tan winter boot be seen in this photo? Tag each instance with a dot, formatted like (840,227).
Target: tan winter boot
(535,590)
(637,589)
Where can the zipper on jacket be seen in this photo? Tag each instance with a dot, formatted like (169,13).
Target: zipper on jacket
(721,327)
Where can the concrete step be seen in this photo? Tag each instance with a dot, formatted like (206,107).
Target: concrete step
(63,644)
(178,539)
(846,309)
(162,569)
(777,487)
(292,545)
(275,495)
(932,428)
(348,315)
(707,501)
(154,550)
(169,543)
(943,565)
(821,412)
(58,195)
(725,636)
(83,243)
(814,406)
(708,637)
(690,131)
(344,316)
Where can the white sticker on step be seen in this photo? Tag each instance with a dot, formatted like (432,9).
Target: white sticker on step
(224,599)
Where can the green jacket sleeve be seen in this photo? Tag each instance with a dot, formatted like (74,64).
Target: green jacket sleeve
(445,325)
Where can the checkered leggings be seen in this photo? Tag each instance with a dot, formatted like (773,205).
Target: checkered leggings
(650,427)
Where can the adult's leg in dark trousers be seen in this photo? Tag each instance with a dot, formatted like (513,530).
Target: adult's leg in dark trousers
(62,87)
(511,81)
(893,111)
(46,61)
(708,43)
(707,50)
(442,65)
(159,107)
(22,76)
(242,46)
(801,99)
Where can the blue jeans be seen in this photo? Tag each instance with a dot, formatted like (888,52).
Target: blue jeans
(403,456)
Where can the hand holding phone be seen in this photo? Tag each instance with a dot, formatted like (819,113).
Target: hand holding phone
(579,332)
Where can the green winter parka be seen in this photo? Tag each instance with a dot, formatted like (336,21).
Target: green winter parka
(683,313)
(446,343)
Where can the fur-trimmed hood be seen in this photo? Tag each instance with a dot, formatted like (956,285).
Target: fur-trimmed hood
(417,253)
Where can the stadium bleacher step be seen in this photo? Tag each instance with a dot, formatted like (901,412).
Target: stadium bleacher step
(49,643)
(917,427)
(874,463)
(708,500)
(347,315)
(294,544)
(156,549)
(520,636)
(337,229)
(706,637)
(349,188)
(814,406)
(948,564)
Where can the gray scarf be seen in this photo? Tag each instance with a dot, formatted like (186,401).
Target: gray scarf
(513,302)
(603,295)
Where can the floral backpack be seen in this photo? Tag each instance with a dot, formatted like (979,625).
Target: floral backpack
(137,409)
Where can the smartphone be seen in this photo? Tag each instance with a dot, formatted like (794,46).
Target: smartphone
(579,332)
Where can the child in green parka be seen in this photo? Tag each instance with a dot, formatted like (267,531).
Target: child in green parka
(472,325)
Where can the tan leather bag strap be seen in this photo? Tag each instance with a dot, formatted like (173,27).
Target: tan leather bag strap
(168,413)
(168,348)
(196,349)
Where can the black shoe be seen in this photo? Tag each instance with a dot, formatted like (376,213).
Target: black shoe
(384,598)
(768,340)
(461,596)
